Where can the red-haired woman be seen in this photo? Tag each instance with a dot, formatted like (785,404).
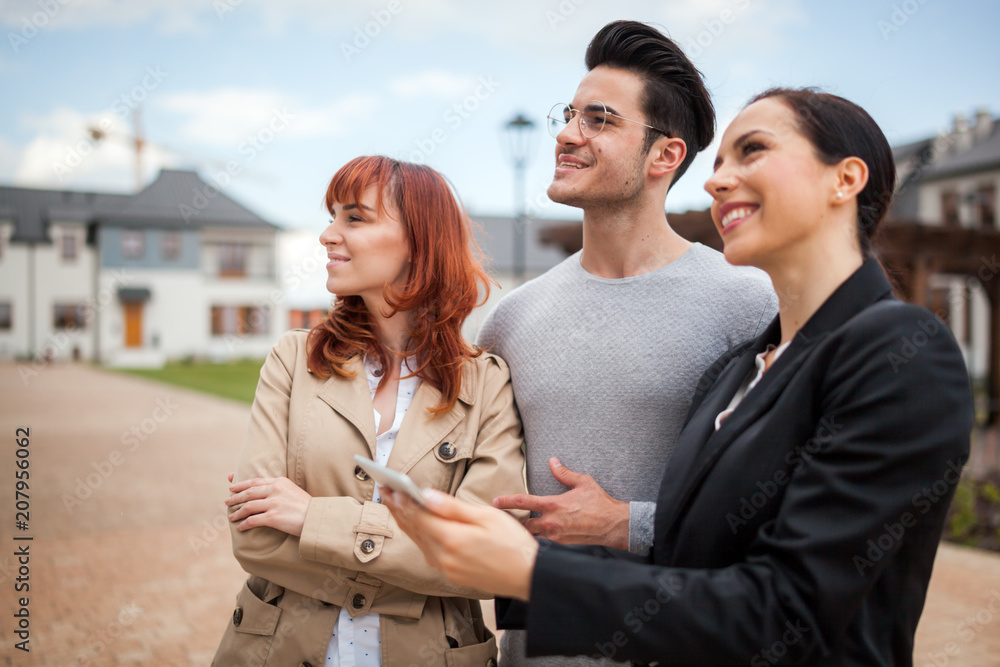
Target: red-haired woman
(333,581)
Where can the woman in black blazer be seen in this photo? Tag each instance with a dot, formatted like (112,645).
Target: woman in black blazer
(798,520)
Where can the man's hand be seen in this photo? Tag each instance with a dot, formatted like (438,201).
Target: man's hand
(583,515)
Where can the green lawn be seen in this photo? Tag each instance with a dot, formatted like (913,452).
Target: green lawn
(237,379)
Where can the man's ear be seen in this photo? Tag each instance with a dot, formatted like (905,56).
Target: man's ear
(667,154)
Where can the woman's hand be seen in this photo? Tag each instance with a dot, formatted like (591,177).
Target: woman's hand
(474,546)
(269,501)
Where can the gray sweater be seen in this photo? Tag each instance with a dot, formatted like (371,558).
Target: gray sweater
(604,370)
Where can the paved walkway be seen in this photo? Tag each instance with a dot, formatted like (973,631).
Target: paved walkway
(131,563)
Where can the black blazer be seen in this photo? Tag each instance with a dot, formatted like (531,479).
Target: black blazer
(804,530)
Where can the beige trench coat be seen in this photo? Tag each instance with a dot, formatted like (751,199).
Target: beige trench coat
(351,556)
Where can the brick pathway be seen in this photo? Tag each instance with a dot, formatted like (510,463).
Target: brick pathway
(131,564)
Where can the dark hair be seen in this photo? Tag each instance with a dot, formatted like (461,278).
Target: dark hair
(675,98)
(838,128)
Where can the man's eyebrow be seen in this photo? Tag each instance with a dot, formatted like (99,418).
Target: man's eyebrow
(739,140)
(599,107)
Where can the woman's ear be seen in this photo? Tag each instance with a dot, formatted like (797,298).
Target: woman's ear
(852,177)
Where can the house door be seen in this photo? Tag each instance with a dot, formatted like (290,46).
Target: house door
(133,324)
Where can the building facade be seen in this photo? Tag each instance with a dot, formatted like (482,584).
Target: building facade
(177,270)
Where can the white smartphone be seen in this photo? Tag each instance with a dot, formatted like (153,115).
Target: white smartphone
(393,479)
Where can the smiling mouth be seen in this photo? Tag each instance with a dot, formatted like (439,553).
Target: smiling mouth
(737,215)
(565,164)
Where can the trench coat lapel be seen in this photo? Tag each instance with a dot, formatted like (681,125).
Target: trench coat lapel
(419,432)
(352,399)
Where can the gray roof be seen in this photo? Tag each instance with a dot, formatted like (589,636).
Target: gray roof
(981,157)
(495,235)
(181,199)
(33,210)
(158,205)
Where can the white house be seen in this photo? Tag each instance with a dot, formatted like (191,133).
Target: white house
(177,270)
(950,181)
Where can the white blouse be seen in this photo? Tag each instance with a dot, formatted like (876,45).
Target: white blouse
(356,642)
(747,386)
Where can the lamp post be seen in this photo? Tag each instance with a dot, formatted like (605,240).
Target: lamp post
(517,133)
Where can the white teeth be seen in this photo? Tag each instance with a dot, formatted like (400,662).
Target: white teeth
(736,214)
(572,165)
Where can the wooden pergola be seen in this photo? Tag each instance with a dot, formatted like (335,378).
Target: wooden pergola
(911,252)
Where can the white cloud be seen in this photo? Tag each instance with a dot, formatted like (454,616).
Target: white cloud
(170,16)
(228,116)
(64,154)
(434,82)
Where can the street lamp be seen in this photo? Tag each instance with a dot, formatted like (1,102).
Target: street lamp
(518,134)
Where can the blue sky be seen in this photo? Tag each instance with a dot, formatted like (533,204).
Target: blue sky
(304,79)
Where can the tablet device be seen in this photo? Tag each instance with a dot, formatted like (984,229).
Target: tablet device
(393,479)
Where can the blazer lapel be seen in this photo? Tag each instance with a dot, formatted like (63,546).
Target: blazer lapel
(867,285)
(352,399)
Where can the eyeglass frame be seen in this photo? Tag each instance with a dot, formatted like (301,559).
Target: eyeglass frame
(580,113)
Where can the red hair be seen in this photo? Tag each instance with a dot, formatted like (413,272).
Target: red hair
(441,289)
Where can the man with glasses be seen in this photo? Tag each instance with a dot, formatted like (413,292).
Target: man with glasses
(605,349)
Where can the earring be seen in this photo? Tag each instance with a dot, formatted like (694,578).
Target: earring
(840,195)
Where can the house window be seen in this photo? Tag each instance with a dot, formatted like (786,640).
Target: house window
(170,245)
(239,320)
(133,244)
(233,260)
(986,202)
(5,316)
(68,246)
(949,208)
(68,316)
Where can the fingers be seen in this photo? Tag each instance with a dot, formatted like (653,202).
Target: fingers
(230,477)
(249,509)
(565,476)
(251,493)
(247,483)
(522,501)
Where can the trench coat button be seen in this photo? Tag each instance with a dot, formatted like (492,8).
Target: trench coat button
(238,616)
(377,372)
(447,450)
(359,601)
(367,546)
(360,474)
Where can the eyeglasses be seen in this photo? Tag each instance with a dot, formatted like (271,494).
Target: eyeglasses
(592,119)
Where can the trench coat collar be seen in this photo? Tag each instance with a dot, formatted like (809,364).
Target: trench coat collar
(700,446)
(419,431)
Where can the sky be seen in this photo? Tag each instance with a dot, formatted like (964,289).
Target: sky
(269,99)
